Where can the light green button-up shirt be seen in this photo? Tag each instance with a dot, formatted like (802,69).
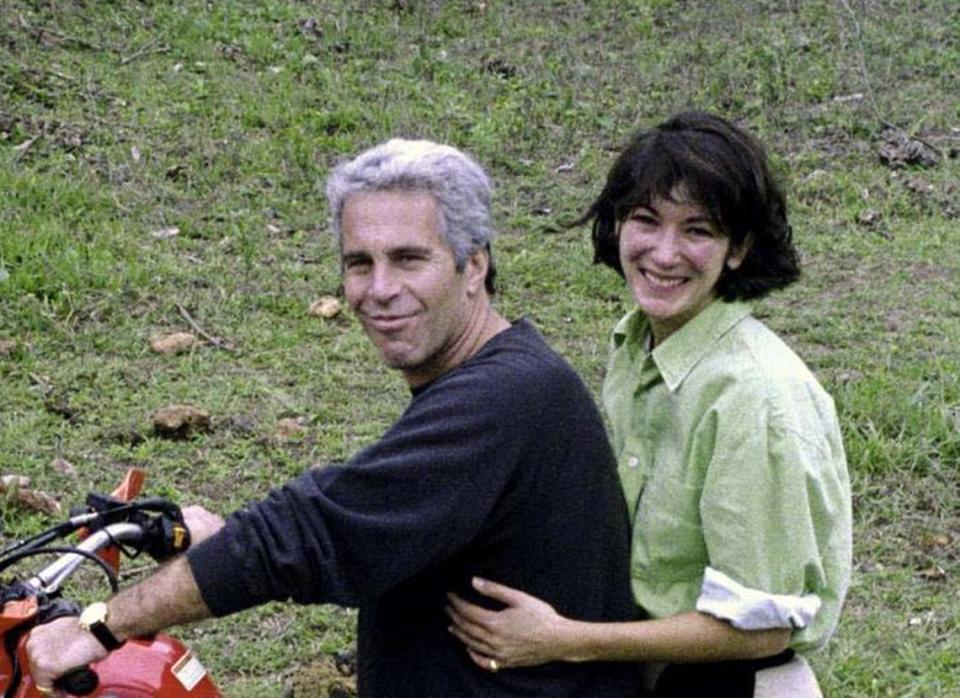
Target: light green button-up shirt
(730,456)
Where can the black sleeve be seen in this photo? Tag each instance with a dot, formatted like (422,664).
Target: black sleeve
(343,534)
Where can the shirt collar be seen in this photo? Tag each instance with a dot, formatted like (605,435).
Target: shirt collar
(683,349)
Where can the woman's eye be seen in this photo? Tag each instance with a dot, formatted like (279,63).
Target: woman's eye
(644,218)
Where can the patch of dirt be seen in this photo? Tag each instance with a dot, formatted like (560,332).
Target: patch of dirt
(325,677)
(898,150)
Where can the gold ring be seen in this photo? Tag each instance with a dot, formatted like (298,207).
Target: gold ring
(46,690)
(494,667)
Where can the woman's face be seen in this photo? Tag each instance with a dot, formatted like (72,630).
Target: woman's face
(672,255)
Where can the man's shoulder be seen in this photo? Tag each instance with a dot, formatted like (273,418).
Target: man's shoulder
(518,356)
(516,367)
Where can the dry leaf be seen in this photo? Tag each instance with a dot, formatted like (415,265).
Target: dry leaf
(326,307)
(25,146)
(165,233)
(7,346)
(173,343)
(289,428)
(935,541)
(180,421)
(933,574)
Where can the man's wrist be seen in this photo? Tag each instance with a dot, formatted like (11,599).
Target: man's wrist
(94,619)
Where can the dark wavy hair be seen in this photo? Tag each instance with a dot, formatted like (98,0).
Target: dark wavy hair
(719,167)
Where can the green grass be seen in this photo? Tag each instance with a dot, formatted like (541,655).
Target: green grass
(119,119)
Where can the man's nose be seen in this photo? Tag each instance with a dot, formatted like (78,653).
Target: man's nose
(384,284)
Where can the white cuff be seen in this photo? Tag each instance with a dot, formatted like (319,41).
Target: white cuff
(750,609)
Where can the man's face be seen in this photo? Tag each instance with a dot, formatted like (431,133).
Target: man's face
(400,279)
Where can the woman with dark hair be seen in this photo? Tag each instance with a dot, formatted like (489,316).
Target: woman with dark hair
(729,450)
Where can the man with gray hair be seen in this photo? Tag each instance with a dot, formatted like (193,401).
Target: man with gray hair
(498,468)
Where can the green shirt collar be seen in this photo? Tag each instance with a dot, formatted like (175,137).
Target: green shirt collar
(683,349)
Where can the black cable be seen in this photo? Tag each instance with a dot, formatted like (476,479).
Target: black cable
(111,575)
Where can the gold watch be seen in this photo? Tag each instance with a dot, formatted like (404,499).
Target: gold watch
(94,620)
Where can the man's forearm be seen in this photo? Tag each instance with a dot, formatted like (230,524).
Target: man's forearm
(168,597)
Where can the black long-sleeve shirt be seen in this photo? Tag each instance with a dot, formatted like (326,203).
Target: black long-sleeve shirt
(499,468)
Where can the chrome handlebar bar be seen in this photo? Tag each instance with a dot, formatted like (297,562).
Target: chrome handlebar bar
(52,577)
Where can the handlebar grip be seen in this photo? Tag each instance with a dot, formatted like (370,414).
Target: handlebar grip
(81,681)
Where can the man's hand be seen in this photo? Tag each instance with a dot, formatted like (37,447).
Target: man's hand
(201,523)
(56,647)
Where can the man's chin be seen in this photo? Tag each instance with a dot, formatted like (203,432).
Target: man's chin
(400,360)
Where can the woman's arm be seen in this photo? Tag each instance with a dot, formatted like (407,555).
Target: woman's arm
(529,632)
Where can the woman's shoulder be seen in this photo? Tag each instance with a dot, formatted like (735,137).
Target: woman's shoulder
(753,362)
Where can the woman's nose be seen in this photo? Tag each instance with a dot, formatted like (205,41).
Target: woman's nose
(665,247)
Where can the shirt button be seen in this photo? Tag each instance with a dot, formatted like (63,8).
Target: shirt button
(633,462)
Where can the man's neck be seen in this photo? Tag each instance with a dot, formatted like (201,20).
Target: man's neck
(484,325)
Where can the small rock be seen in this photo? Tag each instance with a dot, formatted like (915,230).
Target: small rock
(173,343)
(919,185)
(868,218)
(63,466)
(8,482)
(14,490)
(311,27)
(180,421)
(326,307)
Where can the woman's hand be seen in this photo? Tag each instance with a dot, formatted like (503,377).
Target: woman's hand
(525,633)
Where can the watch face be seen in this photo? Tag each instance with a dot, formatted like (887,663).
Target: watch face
(94,613)
(94,620)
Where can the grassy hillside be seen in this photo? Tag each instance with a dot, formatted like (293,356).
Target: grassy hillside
(161,170)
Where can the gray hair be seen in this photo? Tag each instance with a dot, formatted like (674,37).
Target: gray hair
(459,185)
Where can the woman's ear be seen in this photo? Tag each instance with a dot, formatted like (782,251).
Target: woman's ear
(737,254)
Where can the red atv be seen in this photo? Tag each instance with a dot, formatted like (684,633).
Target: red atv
(142,667)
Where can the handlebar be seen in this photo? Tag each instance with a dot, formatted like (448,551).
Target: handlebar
(51,577)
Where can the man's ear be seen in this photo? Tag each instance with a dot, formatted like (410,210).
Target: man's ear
(475,270)
(737,254)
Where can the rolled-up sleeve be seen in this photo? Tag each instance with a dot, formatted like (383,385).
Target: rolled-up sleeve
(774,511)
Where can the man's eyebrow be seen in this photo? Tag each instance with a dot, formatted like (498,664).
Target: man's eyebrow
(354,256)
(410,250)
